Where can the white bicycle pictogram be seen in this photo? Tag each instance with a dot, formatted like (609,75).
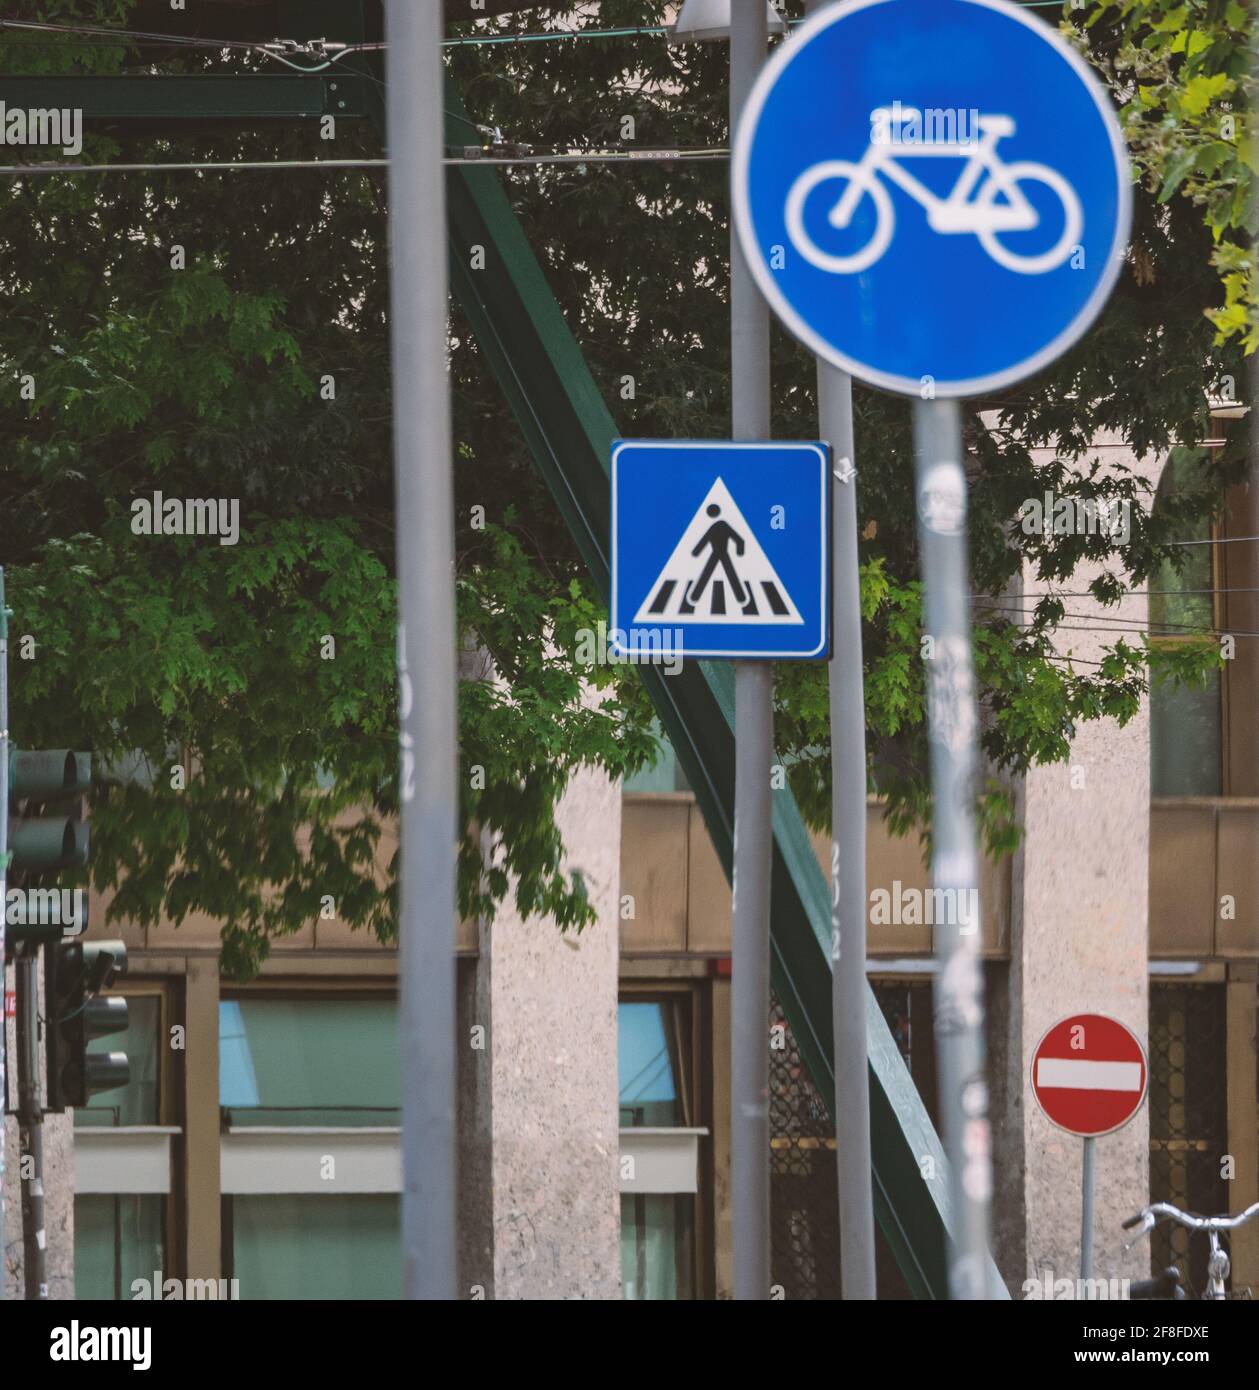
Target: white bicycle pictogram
(970,207)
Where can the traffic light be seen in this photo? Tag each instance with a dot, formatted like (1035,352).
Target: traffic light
(46,833)
(75,972)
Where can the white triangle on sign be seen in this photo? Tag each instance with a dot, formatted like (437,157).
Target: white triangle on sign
(718,573)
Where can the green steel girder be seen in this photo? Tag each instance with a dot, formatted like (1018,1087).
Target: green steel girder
(252,97)
(527,342)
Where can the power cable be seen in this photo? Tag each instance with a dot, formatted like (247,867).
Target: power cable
(562,160)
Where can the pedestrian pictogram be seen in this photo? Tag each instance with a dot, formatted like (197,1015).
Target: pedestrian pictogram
(718,572)
(720,549)
(1089,1074)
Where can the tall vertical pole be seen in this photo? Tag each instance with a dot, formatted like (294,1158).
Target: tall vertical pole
(426,646)
(848,844)
(31,1126)
(953,732)
(1087,1189)
(848,851)
(4,873)
(754,754)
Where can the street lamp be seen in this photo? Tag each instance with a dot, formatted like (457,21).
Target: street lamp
(707,21)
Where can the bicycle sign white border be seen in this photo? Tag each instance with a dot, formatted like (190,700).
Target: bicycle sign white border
(767,280)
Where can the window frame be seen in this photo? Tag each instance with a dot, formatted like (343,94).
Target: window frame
(695,1092)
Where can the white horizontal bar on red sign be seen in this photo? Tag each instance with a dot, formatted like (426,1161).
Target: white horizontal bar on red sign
(1077,1074)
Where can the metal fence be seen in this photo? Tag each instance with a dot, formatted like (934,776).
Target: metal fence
(804,1198)
(1188,1119)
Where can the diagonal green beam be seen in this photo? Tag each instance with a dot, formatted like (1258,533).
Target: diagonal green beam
(526,340)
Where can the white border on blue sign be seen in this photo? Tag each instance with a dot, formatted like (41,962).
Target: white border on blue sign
(821,450)
(768,284)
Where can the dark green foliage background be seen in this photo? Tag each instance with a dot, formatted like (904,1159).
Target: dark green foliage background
(206,382)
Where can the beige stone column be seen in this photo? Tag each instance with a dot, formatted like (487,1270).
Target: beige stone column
(1080,945)
(552,1040)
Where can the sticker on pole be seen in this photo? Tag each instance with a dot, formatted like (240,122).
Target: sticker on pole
(1089,1074)
(720,549)
(932,194)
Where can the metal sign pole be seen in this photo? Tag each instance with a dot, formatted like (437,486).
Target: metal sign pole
(4,867)
(754,756)
(959,993)
(848,844)
(848,851)
(1086,1208)
(426,646)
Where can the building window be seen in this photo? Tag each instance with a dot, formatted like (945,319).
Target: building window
(311,1176)
(309,1061)
(659,1146)
(665,774)
(1186,756)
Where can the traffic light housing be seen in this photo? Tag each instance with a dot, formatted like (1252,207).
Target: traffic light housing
(48,776)
(46,833)
(75,972)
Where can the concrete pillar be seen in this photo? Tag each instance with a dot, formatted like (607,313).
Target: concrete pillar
(553,1065)
(1080,945)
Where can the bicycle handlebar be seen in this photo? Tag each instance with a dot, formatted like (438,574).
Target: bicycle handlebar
(1148,1217)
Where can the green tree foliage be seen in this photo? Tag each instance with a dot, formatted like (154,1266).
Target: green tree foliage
(638,259)
(212,381)
(258,372)
(1185,70)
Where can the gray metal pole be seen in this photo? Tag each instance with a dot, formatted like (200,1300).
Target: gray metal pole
(426,646)
(953,731)
(1086,1209)
(4,865)
(848,843)
(848,851)
(31,1127)
(754,756)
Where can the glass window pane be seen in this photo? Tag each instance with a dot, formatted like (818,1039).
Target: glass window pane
(137,1102)
(648,1088)
(116,1241)
(338,1246)
(664,775)
(655,1247)
(1185,753)
(309,1061)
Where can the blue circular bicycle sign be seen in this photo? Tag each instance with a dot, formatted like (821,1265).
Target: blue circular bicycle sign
(932,194)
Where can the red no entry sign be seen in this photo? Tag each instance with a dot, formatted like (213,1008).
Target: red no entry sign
(1089,1074)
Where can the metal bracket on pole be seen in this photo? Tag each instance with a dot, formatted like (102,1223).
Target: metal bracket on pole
(953,731)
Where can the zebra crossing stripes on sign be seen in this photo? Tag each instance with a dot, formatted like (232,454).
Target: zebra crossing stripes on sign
(720,549)
(718,572)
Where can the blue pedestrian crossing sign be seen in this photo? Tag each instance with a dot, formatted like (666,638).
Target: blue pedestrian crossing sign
(720,549)
(932,194)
